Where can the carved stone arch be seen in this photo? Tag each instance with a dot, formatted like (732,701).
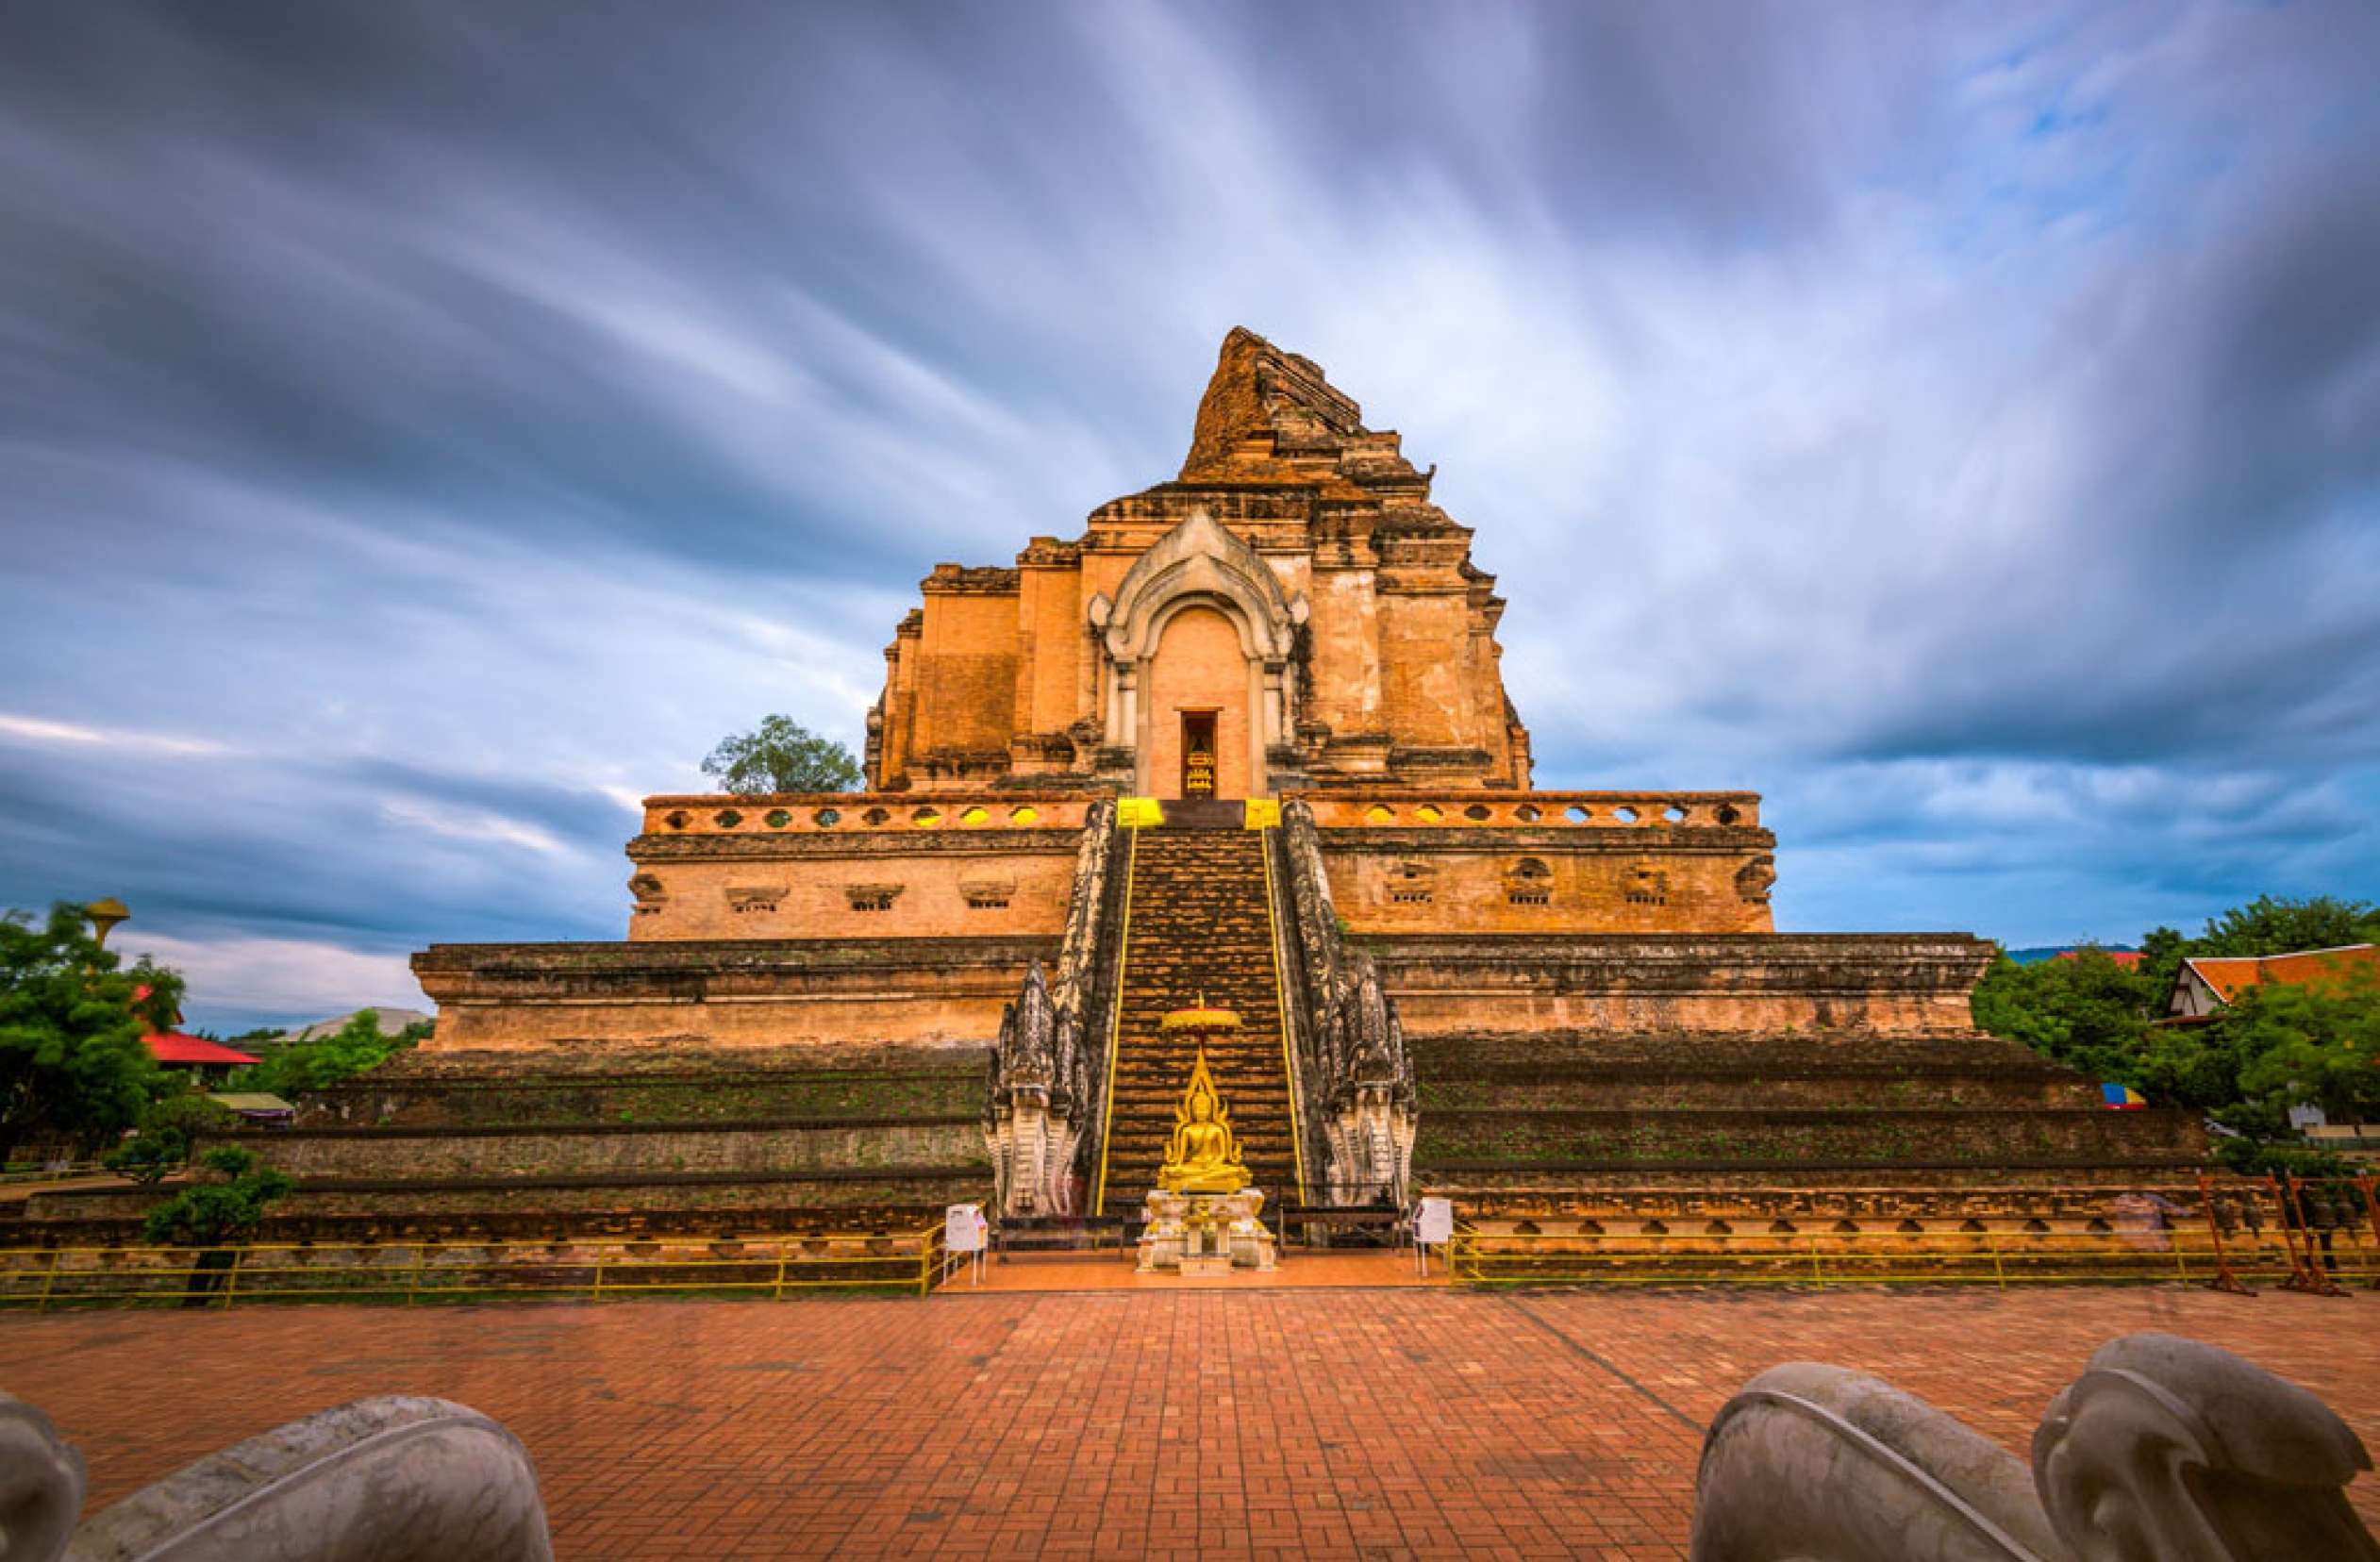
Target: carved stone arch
(1200,558)
(1200,563)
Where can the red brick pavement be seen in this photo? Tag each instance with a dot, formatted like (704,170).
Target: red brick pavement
(1257,1424)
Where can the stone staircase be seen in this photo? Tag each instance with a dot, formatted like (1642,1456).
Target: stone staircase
(1198,924)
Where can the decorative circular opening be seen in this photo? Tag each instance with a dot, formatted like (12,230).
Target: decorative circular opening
(925,819)
(1726,813)
(1674,814)
(1476,813)
(876,816)
(678,821)
(826,819)
(1025,815)
(1624,815)
(777,819)
(1428,813)
(1526,814)
(1377,815)
(726,819)
(1576,814)
(975,816)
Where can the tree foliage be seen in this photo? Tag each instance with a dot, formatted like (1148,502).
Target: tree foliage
(160,1145)
(212,1212)
(349,1051)
(782,756)
(2275,1047)
(72,1017)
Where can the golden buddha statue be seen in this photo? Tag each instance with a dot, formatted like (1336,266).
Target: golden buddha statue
(1202,1157)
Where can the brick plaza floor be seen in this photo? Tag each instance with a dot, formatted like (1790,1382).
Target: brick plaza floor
(1386,1424)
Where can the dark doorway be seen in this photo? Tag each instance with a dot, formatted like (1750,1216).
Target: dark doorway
(1198,753)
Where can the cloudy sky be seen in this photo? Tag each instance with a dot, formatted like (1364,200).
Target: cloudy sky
(425,428)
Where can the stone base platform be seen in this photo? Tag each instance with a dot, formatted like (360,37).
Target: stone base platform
(1204,1233)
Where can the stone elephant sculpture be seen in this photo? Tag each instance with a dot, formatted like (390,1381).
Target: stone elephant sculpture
(380,1480)
(2165,1450)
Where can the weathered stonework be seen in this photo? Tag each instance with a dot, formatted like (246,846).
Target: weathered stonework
(1536,1002)
(1295,581)
(697,995)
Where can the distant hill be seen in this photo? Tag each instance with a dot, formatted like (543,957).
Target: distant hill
(2050,952)
(391,1022)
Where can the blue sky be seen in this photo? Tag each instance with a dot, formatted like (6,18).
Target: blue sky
(426,430)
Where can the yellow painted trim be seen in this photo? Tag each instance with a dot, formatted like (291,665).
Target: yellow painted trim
(1281,995)
(1115,1027)
(1262,813)
(1139,813)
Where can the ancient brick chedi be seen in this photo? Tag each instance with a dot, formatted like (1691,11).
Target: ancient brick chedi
(1244,738)
(1292,600)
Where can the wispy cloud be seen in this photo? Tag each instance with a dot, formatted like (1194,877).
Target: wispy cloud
(1961,423)
(33,730)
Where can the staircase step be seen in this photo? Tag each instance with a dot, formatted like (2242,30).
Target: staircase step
(1199,927)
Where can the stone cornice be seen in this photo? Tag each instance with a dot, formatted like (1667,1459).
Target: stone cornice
(739,959)
(1554,841)
(1650,963)
(855,845)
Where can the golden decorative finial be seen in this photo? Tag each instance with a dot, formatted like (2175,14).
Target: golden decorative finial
(1203,1156)
(103,915)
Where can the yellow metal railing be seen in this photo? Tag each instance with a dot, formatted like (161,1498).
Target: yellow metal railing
(53,1173)
(2218,1241)
(411,1272)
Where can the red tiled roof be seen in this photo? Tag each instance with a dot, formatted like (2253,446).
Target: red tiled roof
(173,1047)
(2231,975)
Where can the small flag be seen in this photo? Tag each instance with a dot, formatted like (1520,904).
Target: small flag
(2122,1098)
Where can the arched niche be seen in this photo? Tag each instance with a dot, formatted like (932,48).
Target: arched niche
(1197,564)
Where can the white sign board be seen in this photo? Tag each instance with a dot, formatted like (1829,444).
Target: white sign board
(1434,1226)
(963,1228)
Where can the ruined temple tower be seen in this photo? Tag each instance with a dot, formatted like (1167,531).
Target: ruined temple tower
(1247,735)
(1289,612)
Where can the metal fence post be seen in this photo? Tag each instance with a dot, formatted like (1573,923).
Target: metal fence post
(2309,1276)
(2224,1279)
(2371,1211)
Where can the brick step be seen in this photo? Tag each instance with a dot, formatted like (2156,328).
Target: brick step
(1200,927)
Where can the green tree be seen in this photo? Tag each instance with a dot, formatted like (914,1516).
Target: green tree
(2312,1044)
(782,756)
(222,1209)
(72,1017)
(212,1214)
(2267,925)
(349,1051)
(161,1145)
(2089,1013)
(2276,1047)
(150,1156)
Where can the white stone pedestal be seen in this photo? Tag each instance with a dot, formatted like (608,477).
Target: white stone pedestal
(1205,1233)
